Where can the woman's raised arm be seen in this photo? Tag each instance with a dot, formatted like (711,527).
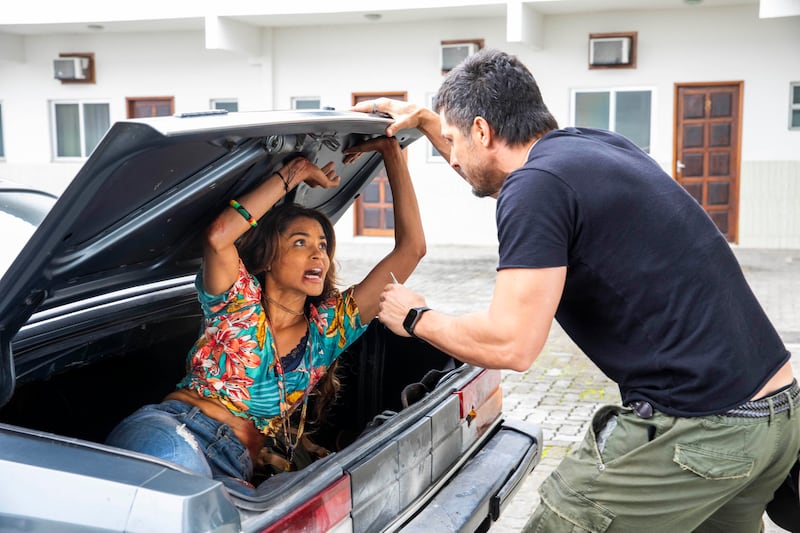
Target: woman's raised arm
(409,237)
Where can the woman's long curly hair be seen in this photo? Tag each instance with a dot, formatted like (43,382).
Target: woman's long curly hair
(259,248)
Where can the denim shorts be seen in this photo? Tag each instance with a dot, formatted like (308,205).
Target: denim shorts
(181,433)
(663,474)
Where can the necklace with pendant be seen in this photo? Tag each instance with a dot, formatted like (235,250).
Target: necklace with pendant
(284,406)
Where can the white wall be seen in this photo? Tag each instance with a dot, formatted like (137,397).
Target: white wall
(770,216)
(127,65)
(701,45)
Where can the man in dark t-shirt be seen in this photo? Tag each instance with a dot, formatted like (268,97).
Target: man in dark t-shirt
(592,232)
(645,265)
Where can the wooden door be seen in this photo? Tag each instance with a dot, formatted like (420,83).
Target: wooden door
(373,209)
(708,148)
(154,106)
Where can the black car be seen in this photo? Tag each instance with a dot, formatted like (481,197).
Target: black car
(99,311)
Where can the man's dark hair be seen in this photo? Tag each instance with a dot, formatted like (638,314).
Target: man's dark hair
(498,87)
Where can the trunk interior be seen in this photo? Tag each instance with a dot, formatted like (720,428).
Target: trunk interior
(85,390)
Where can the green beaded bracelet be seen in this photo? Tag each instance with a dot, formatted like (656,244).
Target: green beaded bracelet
(244,212)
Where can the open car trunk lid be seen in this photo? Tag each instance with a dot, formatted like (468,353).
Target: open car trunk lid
(134,213)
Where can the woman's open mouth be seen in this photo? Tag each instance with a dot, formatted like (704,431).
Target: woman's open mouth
(313,274)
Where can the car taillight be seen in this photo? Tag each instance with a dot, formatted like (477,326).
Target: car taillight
(320,513)
(481,401)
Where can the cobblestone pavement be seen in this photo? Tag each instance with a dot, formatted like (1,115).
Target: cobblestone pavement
(563,388)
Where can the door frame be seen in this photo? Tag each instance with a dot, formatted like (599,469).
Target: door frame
(736,156)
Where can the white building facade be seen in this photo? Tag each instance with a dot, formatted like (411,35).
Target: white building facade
(257,56)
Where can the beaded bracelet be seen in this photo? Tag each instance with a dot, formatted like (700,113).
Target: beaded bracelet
(244,212)
(284,180)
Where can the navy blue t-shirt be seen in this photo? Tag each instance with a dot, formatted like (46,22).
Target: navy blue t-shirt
(653,295)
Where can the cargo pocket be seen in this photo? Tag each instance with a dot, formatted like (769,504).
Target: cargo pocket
(569,510)
(712,464)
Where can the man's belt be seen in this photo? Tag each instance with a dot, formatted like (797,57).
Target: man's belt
(773,404)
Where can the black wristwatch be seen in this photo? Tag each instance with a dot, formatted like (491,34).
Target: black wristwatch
(412,317)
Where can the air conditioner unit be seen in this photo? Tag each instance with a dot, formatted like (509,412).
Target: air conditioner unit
(609,51)
(70,68)
(453,54)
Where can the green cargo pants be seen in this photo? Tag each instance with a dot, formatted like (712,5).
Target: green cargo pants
(668,474)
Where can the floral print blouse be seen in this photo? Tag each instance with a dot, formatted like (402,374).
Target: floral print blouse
(234,359)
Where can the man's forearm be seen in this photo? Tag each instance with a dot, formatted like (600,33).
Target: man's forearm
(474,339)
(428,124)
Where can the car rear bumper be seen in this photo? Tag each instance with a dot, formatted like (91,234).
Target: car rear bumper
(485,485)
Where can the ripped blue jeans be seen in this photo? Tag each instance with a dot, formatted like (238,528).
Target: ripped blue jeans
(181,433)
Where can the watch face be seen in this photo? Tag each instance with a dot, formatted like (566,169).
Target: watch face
(411,319)
(408,322)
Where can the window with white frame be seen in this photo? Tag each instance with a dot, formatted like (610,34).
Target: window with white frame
(794,106)
(625,111)
(231,105)
(78,127)
(454,53)
(2,143)
(306,102)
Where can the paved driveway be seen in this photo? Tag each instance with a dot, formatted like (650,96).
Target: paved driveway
(563,388)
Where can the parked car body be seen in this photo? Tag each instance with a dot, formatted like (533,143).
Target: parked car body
(22,209)
(99,311)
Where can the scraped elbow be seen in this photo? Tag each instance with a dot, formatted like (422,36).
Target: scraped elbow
(214,236)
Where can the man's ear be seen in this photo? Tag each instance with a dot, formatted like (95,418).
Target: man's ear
(482,131)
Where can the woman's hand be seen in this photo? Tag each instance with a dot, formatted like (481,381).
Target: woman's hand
(383,145)
(302,170)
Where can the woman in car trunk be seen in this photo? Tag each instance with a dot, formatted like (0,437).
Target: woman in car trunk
(274,326)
